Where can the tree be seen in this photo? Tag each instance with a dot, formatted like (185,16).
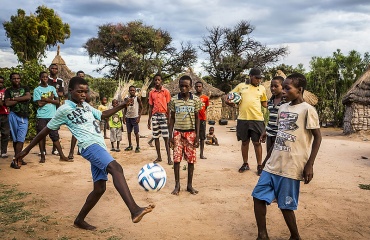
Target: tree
(136,51)
(270,72)
(30,36)
(232,51)
(330,78)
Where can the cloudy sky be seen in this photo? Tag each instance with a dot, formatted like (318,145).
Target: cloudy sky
(307,28)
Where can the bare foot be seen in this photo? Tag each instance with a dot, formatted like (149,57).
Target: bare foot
(70,156)
(42,160)
(202,157)
(176,191)
(84,225)
(170,162)
(65,159)
(192,190)
(139,215)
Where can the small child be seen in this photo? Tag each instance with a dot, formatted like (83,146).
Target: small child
(83,121)
(116,127)
(132,118)
(103,123)
(211,137)
(291,159)
(184,131)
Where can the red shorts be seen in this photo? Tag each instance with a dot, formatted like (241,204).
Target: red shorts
(184,145)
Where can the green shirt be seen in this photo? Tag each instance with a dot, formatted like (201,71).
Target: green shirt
(115,120)
(185,111)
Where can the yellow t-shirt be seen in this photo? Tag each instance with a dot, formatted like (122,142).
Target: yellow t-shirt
(250,105)
(102,107)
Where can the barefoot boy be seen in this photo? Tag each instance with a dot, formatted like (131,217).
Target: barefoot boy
(291,159)
(83,121)
(184,131)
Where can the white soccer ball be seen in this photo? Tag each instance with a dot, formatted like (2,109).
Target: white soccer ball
(234,97)
(152,177)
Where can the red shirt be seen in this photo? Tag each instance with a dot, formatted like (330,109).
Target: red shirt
(203,111)
(159,100)
(3,109)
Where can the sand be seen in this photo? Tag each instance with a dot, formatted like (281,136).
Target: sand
(332,206)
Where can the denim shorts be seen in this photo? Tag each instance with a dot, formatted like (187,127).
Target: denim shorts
(99,159)
(284,190)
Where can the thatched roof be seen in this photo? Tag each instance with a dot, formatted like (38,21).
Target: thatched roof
(308,96)
(66,74)
(208,89)
(360,90)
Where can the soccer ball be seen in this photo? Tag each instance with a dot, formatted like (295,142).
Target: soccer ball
(234,97)
(152,177)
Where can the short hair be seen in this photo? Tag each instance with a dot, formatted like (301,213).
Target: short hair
(186,77)
(114,100)
(80,72)
(199,82)
(279,78)
(53,64)
(132,86)
(76,81)
(42,73)
(157,75)
(211,128)
(13,73)
(298,80)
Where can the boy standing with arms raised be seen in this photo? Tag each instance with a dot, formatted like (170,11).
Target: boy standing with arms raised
(202,116)
(184,131)
(83,121)
(291,158)
(159,98)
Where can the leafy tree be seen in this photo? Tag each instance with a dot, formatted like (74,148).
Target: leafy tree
(270,72)
(104,86)
(330,78)
(30,36)
(232,51)
(136,51)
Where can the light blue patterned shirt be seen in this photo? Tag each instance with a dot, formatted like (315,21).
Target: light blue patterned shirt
(49,109)
(83,122)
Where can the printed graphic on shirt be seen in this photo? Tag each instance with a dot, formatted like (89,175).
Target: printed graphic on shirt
(76,116)
(287,122)
(115,118)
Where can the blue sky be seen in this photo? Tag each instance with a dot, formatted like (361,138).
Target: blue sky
(307,28)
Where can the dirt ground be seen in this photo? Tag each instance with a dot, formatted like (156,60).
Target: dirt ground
(332,206)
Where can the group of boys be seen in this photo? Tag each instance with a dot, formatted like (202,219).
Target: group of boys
(289,160)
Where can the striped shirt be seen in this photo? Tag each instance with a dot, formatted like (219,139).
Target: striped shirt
(185,111)
(272,126)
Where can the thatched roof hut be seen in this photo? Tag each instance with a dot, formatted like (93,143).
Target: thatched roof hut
(66,74)
(208,89)
(308,96)
(357,105)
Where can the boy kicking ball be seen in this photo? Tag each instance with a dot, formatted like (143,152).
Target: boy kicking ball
(83,121)
(291,158)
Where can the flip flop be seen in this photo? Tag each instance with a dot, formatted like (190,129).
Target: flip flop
(244,167)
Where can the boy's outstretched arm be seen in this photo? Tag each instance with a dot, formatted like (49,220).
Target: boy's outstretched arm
(110,112)
(308,169)
(41,135)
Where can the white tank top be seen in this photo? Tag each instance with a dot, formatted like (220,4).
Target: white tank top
(133,111)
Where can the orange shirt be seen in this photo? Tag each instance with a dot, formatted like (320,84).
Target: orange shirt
(205,103)
(159,100)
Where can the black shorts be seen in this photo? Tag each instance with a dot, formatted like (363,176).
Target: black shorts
(249,130)
(41,123)
(202,130)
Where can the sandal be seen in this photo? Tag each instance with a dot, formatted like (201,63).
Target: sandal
(129,148)
(259,170)
(14,165)
(244,167)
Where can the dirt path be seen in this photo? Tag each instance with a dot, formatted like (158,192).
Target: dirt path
(332,206)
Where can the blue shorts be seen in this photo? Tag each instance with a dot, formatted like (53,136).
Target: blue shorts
(99,159)
(284,190)
(132,124)
(18,127)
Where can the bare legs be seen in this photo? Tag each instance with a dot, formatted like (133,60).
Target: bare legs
(260,211)
(121,186)
(189,187)
(158,149)
(72,149)
(201,147)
